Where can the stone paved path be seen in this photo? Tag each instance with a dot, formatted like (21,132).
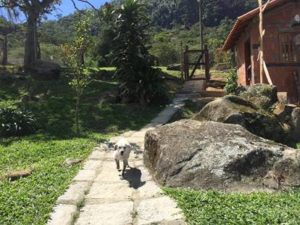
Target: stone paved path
(98,194)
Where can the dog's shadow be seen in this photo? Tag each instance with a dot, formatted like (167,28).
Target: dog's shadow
(133,176)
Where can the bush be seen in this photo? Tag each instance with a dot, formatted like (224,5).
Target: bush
(165,53)
(15,122)
(232,85)
(148,88)
(139,82)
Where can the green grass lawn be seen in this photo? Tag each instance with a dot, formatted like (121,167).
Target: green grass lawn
(170,72)
(30,200)
(214,208)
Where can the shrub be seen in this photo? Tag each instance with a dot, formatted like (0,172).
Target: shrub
(139,81)
(232,85)
(166,54)
(14,122)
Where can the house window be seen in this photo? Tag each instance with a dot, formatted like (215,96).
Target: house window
(288,51)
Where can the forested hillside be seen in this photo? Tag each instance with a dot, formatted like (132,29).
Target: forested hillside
(169,13)
(174,23)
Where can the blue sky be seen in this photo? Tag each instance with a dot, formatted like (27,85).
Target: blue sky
(67,7)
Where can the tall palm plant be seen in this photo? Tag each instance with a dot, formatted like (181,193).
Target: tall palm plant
(140,82)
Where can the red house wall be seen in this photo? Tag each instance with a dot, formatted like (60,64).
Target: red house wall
(276,21)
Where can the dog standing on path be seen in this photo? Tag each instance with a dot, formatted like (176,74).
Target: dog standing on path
(122,153)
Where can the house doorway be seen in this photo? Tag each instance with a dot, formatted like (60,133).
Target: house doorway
(248,62)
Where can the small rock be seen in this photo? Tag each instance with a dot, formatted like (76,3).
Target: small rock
(15,175)
(71,162)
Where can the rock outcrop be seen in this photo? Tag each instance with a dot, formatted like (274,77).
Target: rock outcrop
(262,95)
(235,110)
(205,155)
(289,115)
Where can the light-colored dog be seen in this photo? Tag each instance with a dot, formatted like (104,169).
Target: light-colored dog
(122,152)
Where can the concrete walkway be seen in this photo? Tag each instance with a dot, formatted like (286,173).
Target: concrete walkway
(98,194)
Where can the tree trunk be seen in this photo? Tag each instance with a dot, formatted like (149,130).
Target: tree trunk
(39,51)
(4,50)
(77,115)
(31,49)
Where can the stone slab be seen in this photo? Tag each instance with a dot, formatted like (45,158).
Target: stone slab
(146,176)
(92,165)
(75,193)
(97,155)
(85,175)
(149,190)
(63,215)
(157,210)
(110,192)
(109,173)
(106,214)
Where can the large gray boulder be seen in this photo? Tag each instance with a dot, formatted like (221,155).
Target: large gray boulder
(235,110)
(205,155)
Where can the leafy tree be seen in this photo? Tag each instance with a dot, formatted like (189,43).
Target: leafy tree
(33,10)
(6,28)
(163,48)
(73,54)
(139,81)
(104,45)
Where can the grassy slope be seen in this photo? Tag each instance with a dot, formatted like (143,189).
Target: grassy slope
(207,208)
(30,200)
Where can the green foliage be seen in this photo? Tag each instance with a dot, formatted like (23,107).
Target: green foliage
(165,52)
(14,122)
(102,52)
(140,82)
(201,207)
(232,84)
(29,201)
(168,14)
(74,60)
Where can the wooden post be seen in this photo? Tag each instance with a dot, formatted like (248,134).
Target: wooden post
(206,55)
(262,31)
(181,61)
(186,63)
(201,23)
(4,50)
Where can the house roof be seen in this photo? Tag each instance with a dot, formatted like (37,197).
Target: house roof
(244,20)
